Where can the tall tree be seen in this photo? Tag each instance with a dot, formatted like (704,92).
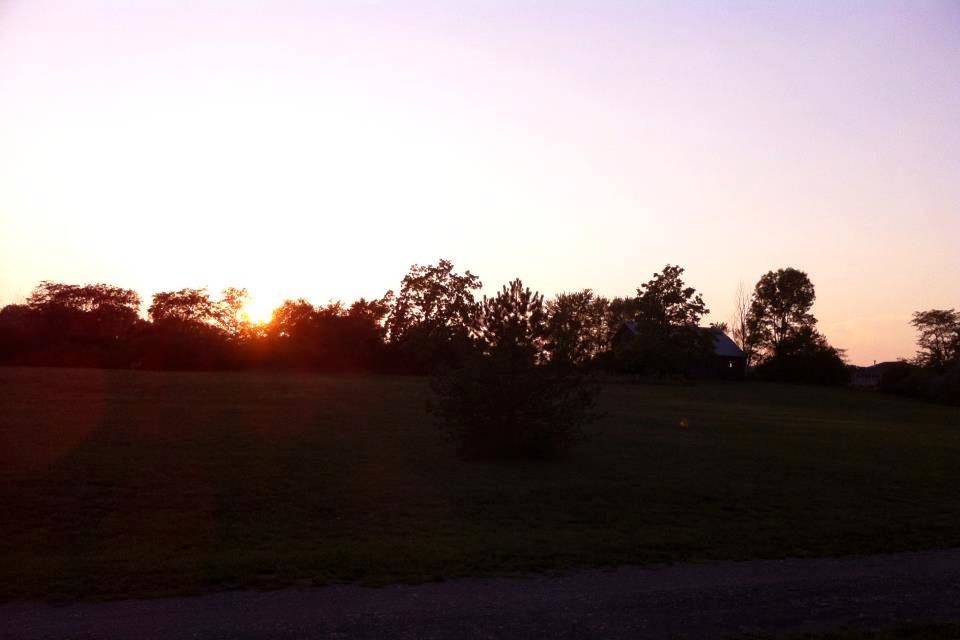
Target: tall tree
(89,297)
(664,335)
(501,403)
(435,298)
(782,332)
(779,308)
(739,325)
(938,339)
(92,312)
(188,306)
(805,357)
(432,316)
(195,308)
(577,327)
(231,318)
(667,301)
(513,323)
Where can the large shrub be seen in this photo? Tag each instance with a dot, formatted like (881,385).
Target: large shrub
(503,402)
(805,358)
(494,409)
(912,381)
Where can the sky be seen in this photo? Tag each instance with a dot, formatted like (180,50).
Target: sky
(318,149)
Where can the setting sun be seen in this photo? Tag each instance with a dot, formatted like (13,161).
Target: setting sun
(258,310)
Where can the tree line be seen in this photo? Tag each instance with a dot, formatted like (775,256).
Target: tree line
(434,319)
(934,373)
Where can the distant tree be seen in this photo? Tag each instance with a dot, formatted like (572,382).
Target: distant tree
(187,306)
(432,316)
(619,311)
(16,315)
(502,402)
(291,319)
(782,336)
(779,308)
(740,323)
(327,338)
(513,323)
(577,329)
(665,337)
(195,308)
(93,311)
(18,333)
(665,300)
(231,317)
(290,335)
(73,325)
(938,339)
(374,311)
(89,297)
(805,356)
(191,330)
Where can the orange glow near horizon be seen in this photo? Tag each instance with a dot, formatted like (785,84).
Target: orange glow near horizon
(258,311)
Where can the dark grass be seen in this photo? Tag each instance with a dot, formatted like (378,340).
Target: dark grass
(910,632)
(133,483)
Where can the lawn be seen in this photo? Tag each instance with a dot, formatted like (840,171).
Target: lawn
(914,632)
(117,483)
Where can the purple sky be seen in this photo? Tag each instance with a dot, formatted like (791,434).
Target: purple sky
(318,149)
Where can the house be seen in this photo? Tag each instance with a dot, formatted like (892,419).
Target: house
(869,377)
(728,361)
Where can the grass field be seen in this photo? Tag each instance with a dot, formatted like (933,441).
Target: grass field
(133,483)
(915,632)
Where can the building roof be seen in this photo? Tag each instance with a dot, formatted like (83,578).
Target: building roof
(723,346)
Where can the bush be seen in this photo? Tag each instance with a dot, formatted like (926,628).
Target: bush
(894,377)
(805,358)
(493,409)
(908,380)
(822,367)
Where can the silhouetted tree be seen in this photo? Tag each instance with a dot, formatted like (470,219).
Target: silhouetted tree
(938,340)
(98,311)
(327,338)
(513,323)
(73,325)
(740,323)
(188,306)
(89,297)
(191,330)
(667,301)
(780,307)
(18,334)
(665,335)
(805,356)
(619,311)
(934,373)
(501,402)
(432,316)
(577,330)
(231,317)
(782,334)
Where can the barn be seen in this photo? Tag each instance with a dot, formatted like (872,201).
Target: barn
(728,361)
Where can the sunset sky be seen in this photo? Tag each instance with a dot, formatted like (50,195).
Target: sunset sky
(318,149)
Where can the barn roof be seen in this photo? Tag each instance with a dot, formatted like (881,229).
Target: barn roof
(723,346)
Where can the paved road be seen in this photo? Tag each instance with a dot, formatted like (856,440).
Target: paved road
(681,601)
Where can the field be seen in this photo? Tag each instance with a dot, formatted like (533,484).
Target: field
(122,483)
